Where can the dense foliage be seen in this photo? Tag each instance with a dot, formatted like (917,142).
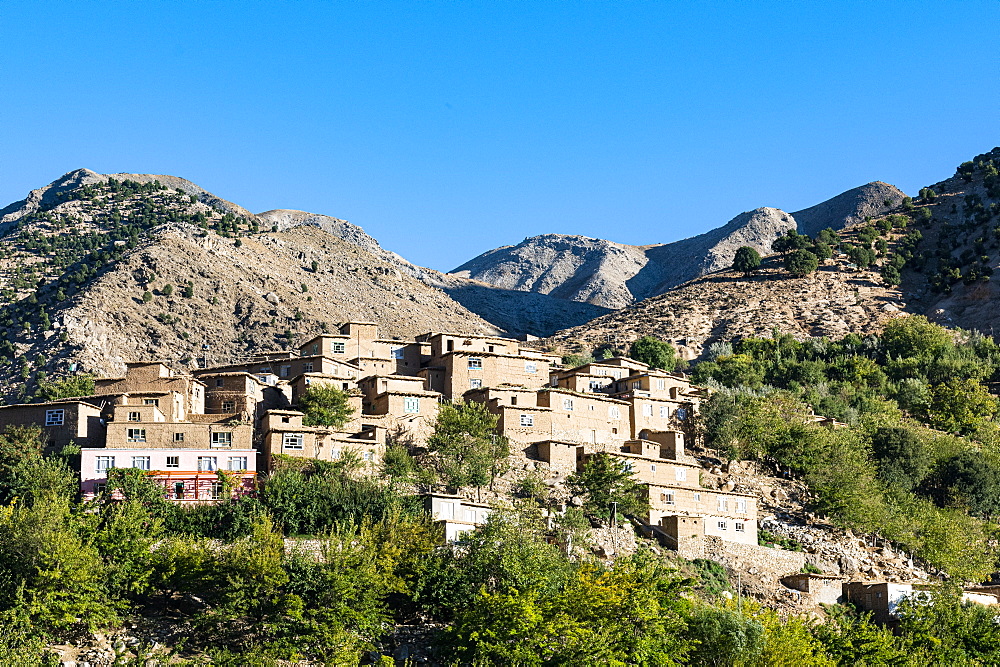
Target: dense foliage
(918,458)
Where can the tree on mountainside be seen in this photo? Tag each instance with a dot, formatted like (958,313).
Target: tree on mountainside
(746,261)
(605,480)
(801,263)
(792,240)
(468,450)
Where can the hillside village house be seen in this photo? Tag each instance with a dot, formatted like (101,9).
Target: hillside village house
(186,429)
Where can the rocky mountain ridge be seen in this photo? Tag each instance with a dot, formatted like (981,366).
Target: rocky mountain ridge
(615,275)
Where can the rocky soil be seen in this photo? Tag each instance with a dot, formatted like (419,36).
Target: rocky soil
(834,301)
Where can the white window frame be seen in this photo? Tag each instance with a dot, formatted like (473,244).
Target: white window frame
(530,367)
(208,463)
(568,404)
(215,490)
(664,412)
(135,416)
(661,384)
(680,474)
(178,437)
(739,527)
(55,417)
(722,525)
(723,504)
(668,498)
(647,410)
(107,461)
(411,405)
(229,406)
(140,462)
(222,438)
(338,347)
(173,462)
(741,506)
(292,441)
(368,455)
(155,402)
(475,383)
(475,363)
(398,352)
(135,435)
(527,421)
(237,463)
(614,412)
(637,385)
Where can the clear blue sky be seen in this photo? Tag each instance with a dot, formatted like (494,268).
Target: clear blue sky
(448,128)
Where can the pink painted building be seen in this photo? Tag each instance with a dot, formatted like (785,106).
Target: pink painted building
(186,474)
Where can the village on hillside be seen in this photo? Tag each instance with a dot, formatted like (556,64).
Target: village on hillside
(206,434)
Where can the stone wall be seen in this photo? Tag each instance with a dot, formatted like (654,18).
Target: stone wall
(744,556)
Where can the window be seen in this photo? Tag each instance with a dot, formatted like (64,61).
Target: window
(140,462)
(54,417)
(664,412)
(105,463)
(338,347)
(590,407)
(652,467)
(207,463)
(513,400)
(567,404)
(667,498)
(173,462)
(99,489)
(530,367)
(595,385)
(216,490)
(680,474)
(136,435)
(334,454)
(722,525)
(681,413)
(411,405)
(451,345)
(219,382)
(614,412)
(741,506)
(368,456)
(315,348)
(307,367)
(178,437)
(697,497)
(527,420)
(229,406)
(739,527)
(291,441)
(135,416)
(151,401)
(661,384)
(637,385)
(237,463)
(628,466)
(475,362)
(723,505)
(475,383)
(647,410)
(489,348)
(222,439)
(398,352)
(284,370)
(179,490)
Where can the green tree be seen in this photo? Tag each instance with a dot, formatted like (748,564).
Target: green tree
(653,351)
(801,263)
(746,261)
(325,405)
(189,289)
(147,296)
(961,405)
(69,387)
(167,290)
(862,256)
(467,450)
(605,480)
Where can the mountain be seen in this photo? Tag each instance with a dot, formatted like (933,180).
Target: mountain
(614,275)
(947,242)
(99,269)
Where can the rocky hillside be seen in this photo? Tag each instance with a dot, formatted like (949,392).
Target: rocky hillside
(949,277)
(614,275)
(834,301)
(849,208)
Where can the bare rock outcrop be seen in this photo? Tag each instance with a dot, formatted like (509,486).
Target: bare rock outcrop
(849,208)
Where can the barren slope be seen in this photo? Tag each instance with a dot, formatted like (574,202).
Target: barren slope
(832,302)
